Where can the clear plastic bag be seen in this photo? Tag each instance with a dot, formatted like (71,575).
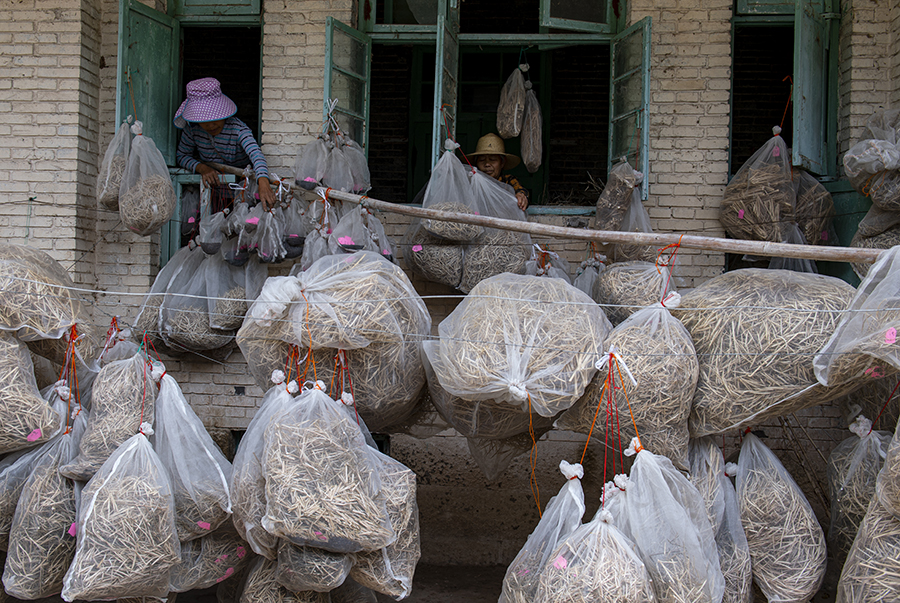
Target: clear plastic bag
(303,568)
(15,468)
(512,351)
(234,252)
(131,489)
(146,195)
(449,189)
(761,195)
(877,221)
(380,239)
(793,236)
(511,109)
(309,167)
(884,125)
(213,226)
(231,290)
(351,233)
(209,560)
(268,237)
(870,572)
(616,197)
(261,586)
(588,275)
(248,481)
(337,168)
(112,167)
(852,469)
(532,135)
(887,486)
(322,481)
(359,166)
(198,470)
(666,516)
(869,157)
(547,263)
(560,518)
(315,247)
(623,289)
(190,211)
(636,219)
(296,227)
(432,258)
(787,546)
(814,210)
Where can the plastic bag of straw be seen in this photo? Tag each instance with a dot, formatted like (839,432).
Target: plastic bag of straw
(261,585)
(432,258)
(390,570)
(588,275)
(852,470)
(532,134)
(885,240)
(755,363)
(636,219)
(887,486)
(26,419)
(209,560)
(787,546)
(793,236)
(322,482)
(231,289)
(296,227)
(865,338)
(523,340)
(248,481)
(666,517)
(708,474)
(146,196)
(761,195)
(560,518)
(872,572)
(124,396)
(266,239)
(126,528)
(149,317)
(814,210)
(309,167)
(616,197)
(303,568)
(511,109)
(112,167)
(198,470)
(655,372)
(42,538)
(596,563)
(544,262)
(623,289)
(450,189)
(15,468)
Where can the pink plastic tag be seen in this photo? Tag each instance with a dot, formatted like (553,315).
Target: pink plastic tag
(321,536)
(345,240)
(254,220)
(228,572)
(890,337)
(776,152)
(37,433)
(203,525)
(72,530)
(476,213)
(309,179)
(740,214)
(875,372)
(191,220)
(417,248)
(385,252)
(241,551)
(560,563)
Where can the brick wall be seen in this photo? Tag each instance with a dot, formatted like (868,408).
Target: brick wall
(895,55)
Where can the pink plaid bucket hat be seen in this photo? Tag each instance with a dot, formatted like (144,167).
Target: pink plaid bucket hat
(205,102)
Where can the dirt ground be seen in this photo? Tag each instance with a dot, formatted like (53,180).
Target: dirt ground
(454,584)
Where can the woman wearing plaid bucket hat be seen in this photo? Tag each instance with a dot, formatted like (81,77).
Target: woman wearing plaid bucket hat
(211,132)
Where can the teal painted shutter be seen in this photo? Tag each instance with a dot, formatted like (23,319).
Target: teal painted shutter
(213,8)
(593,16)
(348,68)
(629,97)
(811,41)
(148,73)
(765,7)
(446,78)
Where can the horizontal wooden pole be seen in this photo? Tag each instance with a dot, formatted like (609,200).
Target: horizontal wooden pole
(763,248)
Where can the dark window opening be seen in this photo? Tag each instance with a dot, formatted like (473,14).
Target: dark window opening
(475,16)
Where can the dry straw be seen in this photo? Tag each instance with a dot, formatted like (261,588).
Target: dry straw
(319,487)
(261,587)
(496,252)
(615,198)
(195,510)
(124,396)
(870,572)
(756,332)
(434,259)
(26,419)
(230,309)
(756,202)
(885,240)
(190,328)
(452,231)
(484,418)
(864,362)
(303,568)
(390,570)
(735,563)
(148,204)
(623,289)
(209,560)
(266,349)
(887,486)
(814,211)
(111,178)
(787,546)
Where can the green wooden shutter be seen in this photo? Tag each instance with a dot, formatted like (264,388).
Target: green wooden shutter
(147,83)
(446,78)
(348,68)
(765,7)
(213,8)
(811,46)
(595,16)
(629,97)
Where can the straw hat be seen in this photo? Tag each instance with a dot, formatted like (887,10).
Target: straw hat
(491,144)
(205,102)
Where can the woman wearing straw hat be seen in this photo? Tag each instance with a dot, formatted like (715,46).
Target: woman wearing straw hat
(491,158)
(211,132)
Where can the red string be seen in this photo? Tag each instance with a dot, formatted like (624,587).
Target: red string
(790,94)
(893,391)
(669,263)
(532,457)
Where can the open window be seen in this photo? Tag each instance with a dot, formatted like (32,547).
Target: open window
(577,15)
(348,60)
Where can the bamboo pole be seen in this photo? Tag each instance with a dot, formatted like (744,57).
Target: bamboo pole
(764,248)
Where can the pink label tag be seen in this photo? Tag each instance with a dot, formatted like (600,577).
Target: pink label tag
(345,240)
(321,536)
(309,179)
(824,236)
(521,571)
(476,213)
(385,252)
(37,433)
(740,214)
(254,220)
(228,572)
(875,372)
(221,557)
(241,551)
(890,336)
(72,530)
(776,152)
(417,248)
(203,525)
(560,563)
(191,220)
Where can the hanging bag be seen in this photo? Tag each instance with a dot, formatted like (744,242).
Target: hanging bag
(532,135)
(511,109)
(309,168)
(146,196)
(109,177)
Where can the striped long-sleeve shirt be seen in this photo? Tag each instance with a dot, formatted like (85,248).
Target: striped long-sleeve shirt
(234,146)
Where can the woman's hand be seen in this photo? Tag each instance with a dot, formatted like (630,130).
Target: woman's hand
(208,175)
(522,200)
(265,193)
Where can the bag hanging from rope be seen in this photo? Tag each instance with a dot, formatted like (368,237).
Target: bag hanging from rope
(636,219)
(309,167)
(449,189)
(625,288)
(209,560)
(213,226)
(532,135)
(511,109)
(146,196)
(814,210)
(231,290)
(561,517)
(15,468)
(615,199)
(870,571)
(262,586)
(547,263)
(112,167)
(793,236)
(887,486)
(787,546)
(589,274)
(303,568)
